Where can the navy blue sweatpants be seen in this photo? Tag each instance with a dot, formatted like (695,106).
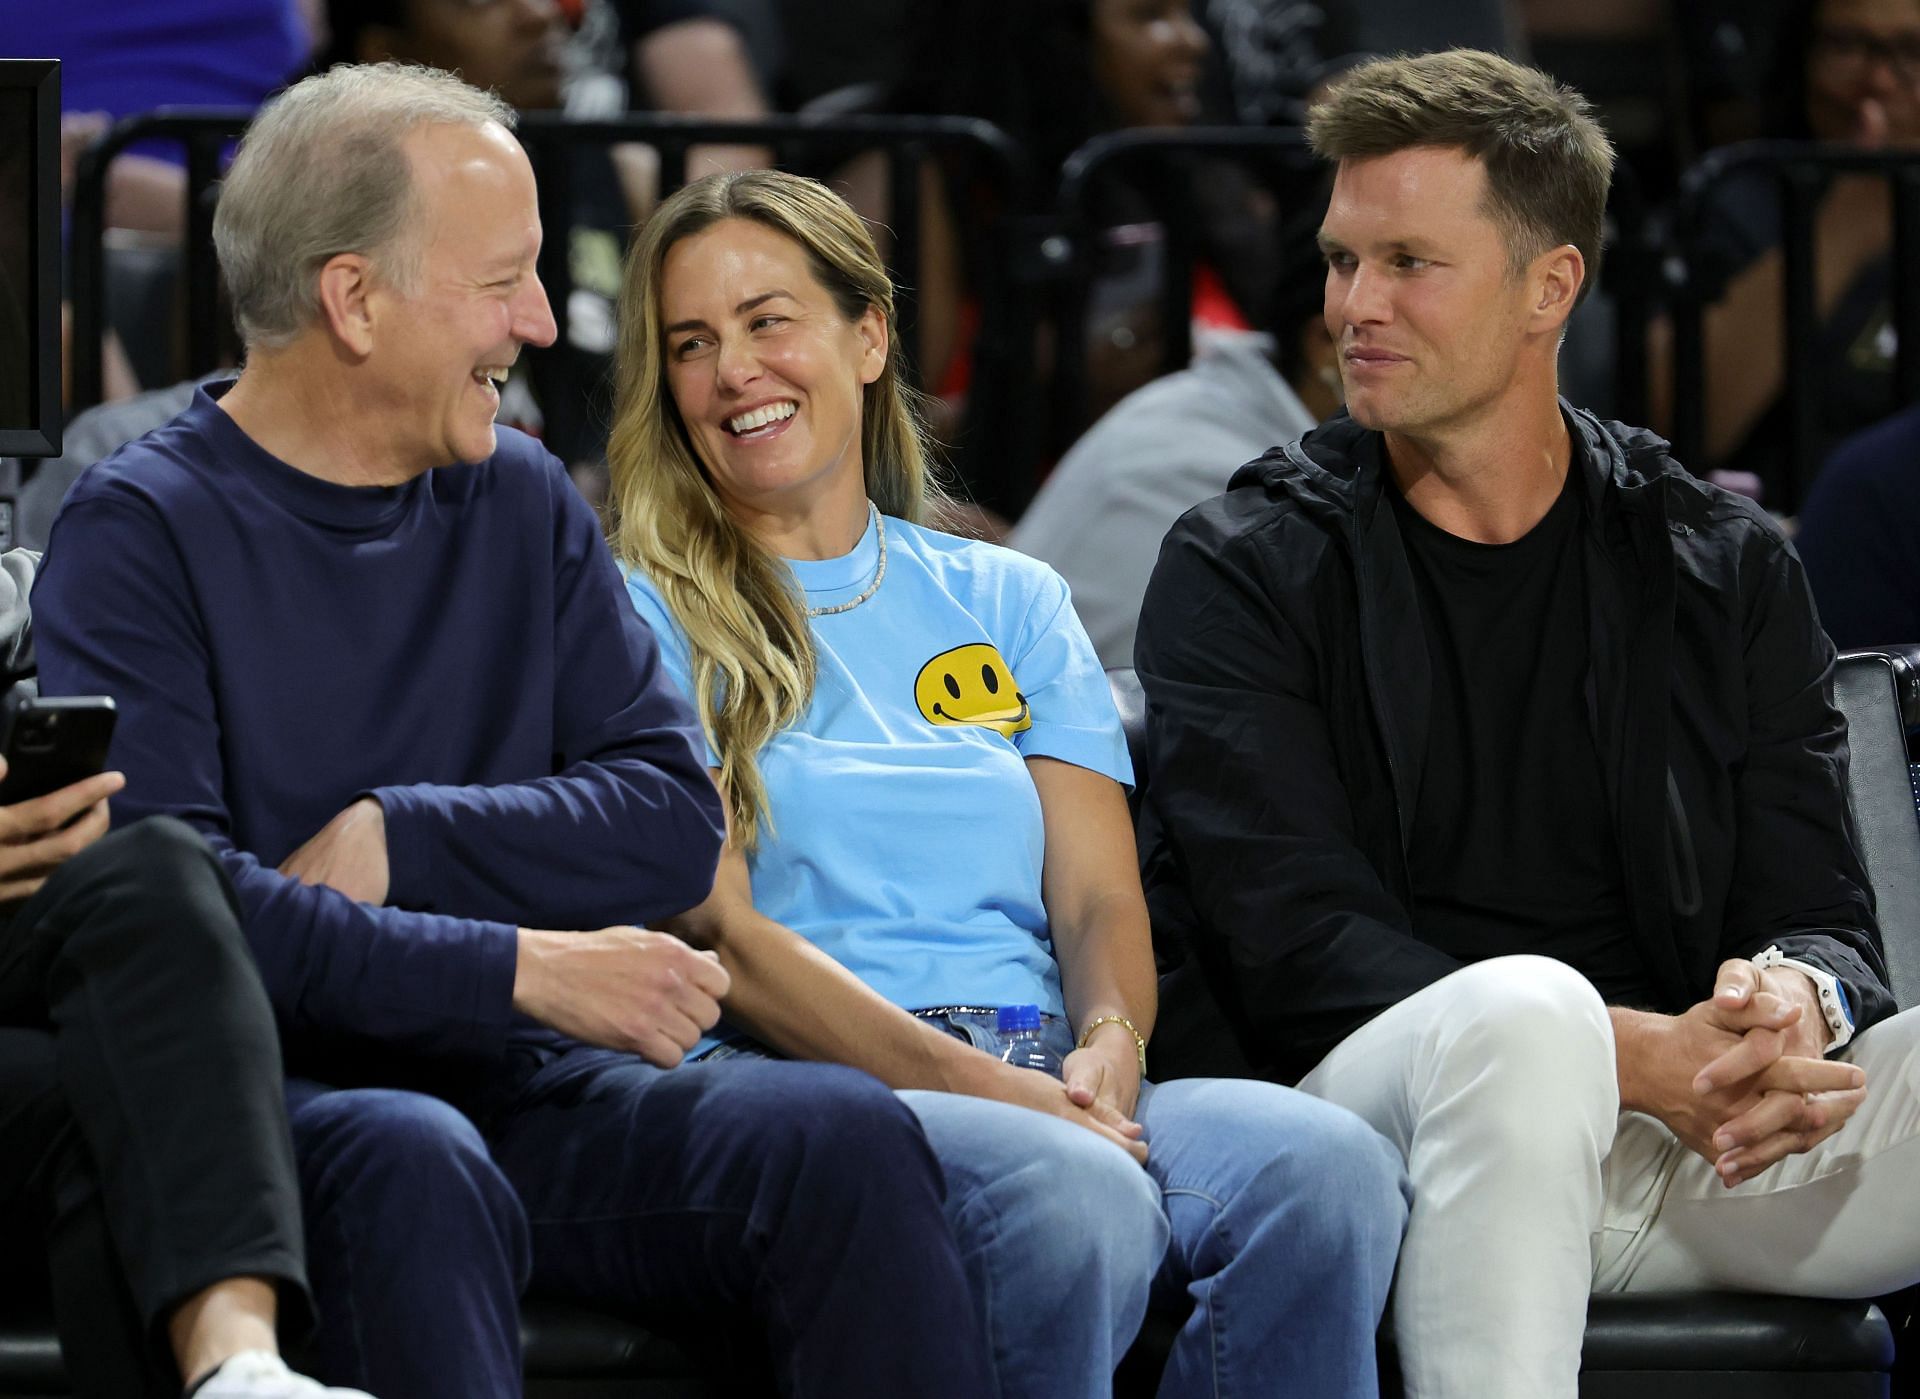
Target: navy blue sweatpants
(799,1201)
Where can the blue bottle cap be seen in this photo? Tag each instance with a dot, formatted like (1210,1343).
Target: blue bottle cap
(1014,1019)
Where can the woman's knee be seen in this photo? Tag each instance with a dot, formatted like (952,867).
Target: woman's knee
(1036,1188)
(1259,1152)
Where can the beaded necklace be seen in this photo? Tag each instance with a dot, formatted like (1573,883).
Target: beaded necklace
(879,522)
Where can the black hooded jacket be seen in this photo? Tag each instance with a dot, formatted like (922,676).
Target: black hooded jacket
(1285,666)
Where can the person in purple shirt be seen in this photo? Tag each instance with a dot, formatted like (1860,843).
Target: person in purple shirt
(122,60)
(335,606)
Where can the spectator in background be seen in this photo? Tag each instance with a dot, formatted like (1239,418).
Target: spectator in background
(715,59)
(1052,74)
(1858,533)
(1273,53)
(515,48)
(1173,443)
(117,60)
(1848,72)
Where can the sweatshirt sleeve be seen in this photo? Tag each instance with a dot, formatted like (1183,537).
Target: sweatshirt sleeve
(114,615)
(627,828)
(1300,939)
(1798,881)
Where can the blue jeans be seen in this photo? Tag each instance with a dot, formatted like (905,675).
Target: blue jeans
(1275,1215)
(707,1196)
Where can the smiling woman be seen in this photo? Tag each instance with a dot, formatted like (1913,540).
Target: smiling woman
(923,766)
(769,374)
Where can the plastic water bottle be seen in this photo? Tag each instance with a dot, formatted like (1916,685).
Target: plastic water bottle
(1020,1026)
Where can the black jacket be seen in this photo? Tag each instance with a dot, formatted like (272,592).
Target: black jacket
(1285,667)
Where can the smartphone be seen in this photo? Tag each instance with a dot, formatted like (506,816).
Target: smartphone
(54,743)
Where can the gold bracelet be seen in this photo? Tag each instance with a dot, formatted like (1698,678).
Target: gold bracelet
(1139,1041)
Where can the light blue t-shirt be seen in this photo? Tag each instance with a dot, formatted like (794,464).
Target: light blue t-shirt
(907,840)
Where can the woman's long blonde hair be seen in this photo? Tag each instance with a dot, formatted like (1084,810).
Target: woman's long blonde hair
(744,616)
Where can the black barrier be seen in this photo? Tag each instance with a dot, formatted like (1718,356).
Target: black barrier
(1029,269)
(1799,173)
(1276,158)
(203,132)
(1630,272)
(999,433)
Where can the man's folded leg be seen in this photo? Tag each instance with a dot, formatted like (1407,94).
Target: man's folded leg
(803,1196)
(1498,1085)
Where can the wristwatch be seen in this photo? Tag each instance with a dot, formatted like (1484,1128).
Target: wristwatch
(1833,1000)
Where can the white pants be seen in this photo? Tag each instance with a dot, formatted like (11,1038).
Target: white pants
(1531,1188)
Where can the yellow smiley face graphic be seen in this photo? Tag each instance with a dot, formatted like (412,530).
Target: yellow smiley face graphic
(972,685)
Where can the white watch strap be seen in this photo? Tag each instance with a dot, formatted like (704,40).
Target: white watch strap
(1833,1002)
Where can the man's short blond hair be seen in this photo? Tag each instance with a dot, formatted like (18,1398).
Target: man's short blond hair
(1548,161)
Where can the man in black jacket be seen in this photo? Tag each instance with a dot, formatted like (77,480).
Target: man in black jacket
(1498,789)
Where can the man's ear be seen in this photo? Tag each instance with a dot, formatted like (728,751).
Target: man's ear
(346,287)
(1558,273)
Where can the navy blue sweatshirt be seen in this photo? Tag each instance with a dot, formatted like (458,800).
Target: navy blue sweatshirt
(461,647)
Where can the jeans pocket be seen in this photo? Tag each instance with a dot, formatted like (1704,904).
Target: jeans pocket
(743,1047)
(976,1028)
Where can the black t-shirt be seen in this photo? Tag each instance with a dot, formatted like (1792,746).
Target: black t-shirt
(1513,848)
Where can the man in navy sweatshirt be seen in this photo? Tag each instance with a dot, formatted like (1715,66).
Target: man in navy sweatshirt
(376,651)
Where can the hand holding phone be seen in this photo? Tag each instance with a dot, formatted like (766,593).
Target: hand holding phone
(40,834)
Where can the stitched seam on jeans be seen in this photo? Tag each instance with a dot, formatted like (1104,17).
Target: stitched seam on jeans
(962,1218)
(1191,1193)
(1216,1337)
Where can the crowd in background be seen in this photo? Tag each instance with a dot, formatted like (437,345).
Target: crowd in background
(1671,82)
(1485,739)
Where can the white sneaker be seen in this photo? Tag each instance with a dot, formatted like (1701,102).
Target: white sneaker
(257,1374)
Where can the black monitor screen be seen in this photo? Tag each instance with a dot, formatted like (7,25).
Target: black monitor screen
(29,257)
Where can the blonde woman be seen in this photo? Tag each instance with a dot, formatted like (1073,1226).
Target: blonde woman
(923,772)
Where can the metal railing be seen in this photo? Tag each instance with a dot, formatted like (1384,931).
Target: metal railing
(204,133)
(994,436)
(1276,160)
(1030,258)
(1800,175)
